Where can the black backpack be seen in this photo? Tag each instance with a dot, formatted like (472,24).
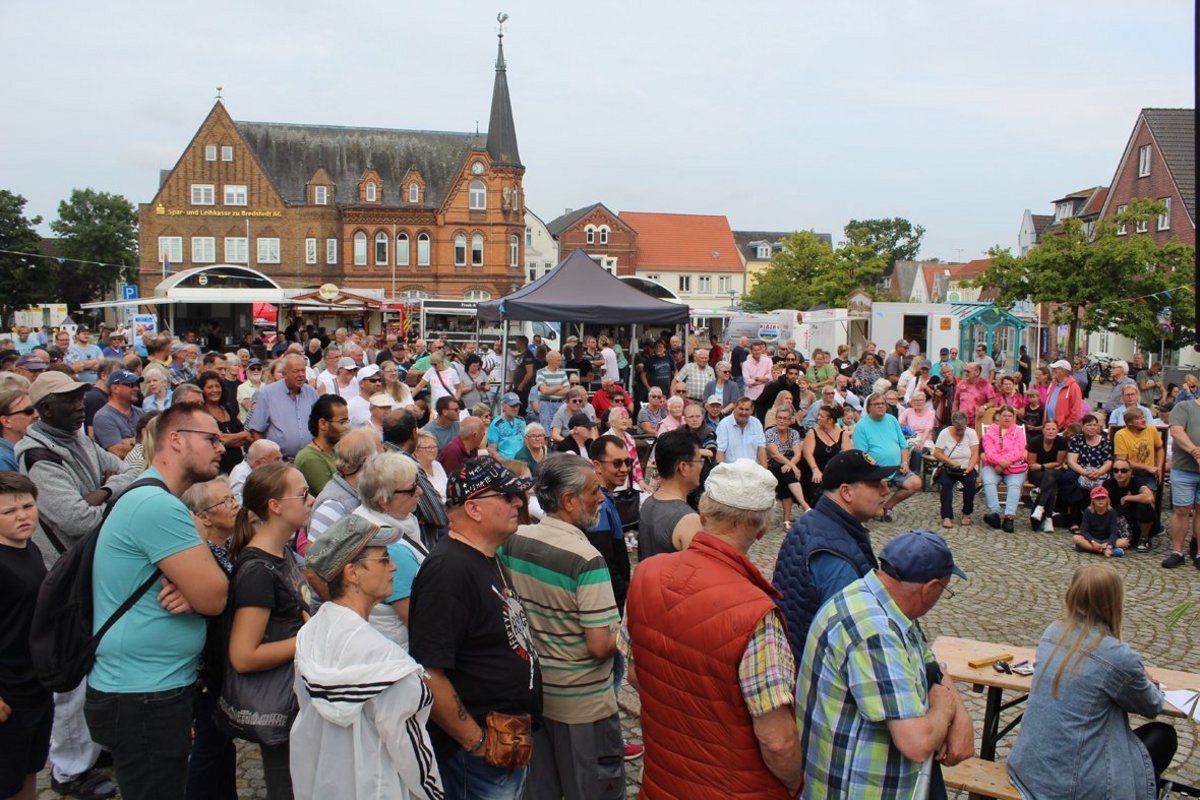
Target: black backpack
(61,641)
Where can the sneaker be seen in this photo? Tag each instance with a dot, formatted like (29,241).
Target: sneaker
(1007,526)
(1143,546)
(1036,514)
(1048,525)
(1117,552)
(1174,560)
(91,785)
(992,519)
(633,751)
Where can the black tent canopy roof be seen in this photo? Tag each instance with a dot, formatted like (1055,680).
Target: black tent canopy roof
(580,290)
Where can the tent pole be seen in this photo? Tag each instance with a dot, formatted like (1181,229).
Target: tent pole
(629,355)
(503,354)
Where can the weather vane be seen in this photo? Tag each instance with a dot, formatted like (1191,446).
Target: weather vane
(501,18)
(219,88)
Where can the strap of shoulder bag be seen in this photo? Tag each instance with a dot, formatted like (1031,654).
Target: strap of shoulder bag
(145,587)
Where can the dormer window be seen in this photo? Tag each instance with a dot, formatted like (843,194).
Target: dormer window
(764,251)
(414,193)
(1063,211)
(371,192)
(321,195)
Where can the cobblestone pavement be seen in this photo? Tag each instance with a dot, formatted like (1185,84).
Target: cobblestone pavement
(1015,591)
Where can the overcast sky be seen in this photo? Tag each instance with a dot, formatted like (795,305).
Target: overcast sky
(780,115)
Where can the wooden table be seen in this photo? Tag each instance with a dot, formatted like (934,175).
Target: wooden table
(954,653)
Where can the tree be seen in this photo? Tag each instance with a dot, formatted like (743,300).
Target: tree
(99,242)
(28,279)
(897,238)
(807,272)
(1089,278)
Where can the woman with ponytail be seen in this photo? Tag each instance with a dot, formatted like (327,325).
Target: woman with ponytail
(268,595)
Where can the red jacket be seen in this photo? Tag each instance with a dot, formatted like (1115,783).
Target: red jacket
(601,402)
(690,616)
(1069,406)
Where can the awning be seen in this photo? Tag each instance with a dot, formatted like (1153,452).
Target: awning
(141,301)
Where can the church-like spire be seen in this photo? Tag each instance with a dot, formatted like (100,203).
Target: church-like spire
(502,132)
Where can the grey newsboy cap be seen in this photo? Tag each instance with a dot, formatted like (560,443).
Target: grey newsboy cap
(342,542)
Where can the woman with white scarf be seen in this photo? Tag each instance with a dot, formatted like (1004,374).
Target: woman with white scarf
(363,702)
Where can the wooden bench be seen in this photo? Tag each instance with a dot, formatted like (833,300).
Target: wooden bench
(981,778)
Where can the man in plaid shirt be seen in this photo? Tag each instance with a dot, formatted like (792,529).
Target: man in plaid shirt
(874,724)
(697,374)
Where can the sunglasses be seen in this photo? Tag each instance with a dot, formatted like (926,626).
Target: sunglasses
(409,491)
(29,412)
(618,462)
(1122,471)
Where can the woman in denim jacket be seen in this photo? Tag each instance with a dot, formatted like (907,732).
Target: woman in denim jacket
(1075,741)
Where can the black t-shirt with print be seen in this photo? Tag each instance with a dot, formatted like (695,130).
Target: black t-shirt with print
(261,580)
(465,619)
(21,574)
(1116,493)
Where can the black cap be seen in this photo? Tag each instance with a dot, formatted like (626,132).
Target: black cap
(853,466)
(580,419)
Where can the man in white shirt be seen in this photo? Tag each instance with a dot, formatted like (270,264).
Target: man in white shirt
(370,381)
(327,379)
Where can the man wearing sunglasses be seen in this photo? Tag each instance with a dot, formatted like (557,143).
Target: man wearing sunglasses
(467,627)
(16,415)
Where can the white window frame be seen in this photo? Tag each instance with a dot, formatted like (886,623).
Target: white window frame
(532,272)
(381,239)
(235,194)
(591,234)
(460,249)
(204,250)
(1121,209)
(477,249)
(704,284)
(310,250)
(268,250)
(171,247)
(725,284)
(477,295)
(414,294)
(372,193)
(414,193)
(210,152)
(1144,161)
(610,264)
(237,250)
(403,249)
(360,248)
(685,283)
(654,277)
(1141,226)
(603,229)
(227,152)
(423,248)
(763,251)
(1164,219)
(1063,210)
(528,236)
(320,195)
(514,251)
(477,195)
(331,248)
(204,194)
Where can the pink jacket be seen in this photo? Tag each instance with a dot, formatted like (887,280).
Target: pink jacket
(1010,448)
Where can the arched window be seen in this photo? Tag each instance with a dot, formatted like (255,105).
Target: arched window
(370,191)
(402,249)
(414,193)
(478,197)
(414,294)
(460,250)
(423,250)
(360,249)
(381,249)
(603,234)
(591,234)
(477,250)
(477,295)
(514,251)
(764,251)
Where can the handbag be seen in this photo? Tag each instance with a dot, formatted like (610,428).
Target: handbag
(629,503)
(509,742)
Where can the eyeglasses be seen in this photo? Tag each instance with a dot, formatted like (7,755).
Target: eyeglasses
(214,439)
(618,462)
(29,412)
(384,559)
(409,491)
(229,501)
(302,496)
(372,380)
(947,592)
(505,496)
(1121,471)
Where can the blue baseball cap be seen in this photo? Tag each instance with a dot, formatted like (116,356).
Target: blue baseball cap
(125,377)
(511,399)
(919,556)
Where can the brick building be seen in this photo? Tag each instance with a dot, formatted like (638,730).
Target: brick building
(1159,163)
(600,233)
(435,214)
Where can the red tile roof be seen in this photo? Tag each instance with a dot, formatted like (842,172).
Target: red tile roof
(684,242)
(1095,203)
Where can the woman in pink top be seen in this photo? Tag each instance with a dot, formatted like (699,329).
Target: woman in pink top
(1003,460)
(674,417)
(920,418)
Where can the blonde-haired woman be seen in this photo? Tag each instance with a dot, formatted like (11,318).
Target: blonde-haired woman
(397,389)
(156,388)
(1074,740)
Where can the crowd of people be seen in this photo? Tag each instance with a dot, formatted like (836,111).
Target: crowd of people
(401,568)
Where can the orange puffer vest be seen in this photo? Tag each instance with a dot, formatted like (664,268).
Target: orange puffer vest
(690,616)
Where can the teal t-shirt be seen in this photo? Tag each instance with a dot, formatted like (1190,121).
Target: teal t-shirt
(148,649)
(507,435)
